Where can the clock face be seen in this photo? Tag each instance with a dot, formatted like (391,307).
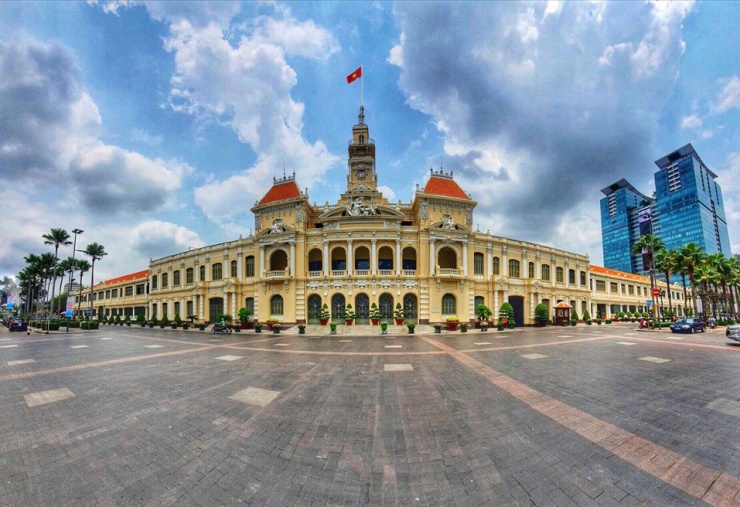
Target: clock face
(361,174)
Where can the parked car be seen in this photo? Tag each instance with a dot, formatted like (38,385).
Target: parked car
(733,332)
(688,326)
(18,325)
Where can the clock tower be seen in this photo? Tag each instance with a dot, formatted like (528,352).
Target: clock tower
(361,160)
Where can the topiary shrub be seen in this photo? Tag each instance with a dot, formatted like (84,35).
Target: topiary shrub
(541,315)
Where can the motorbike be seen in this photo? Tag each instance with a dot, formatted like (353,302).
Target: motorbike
(218,328)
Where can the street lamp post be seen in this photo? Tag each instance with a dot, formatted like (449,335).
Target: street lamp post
(71,268)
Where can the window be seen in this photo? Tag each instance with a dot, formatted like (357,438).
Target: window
(496,266)
(233,269)
(572,276)
(140,289)
(249,305)
(631,289)
(202,274)
(623,291)
(276,305)
(559,275)
(154,282)
(513,268)
(478,263)
(613,286)
(546,272)
(477,301)
(449,305)
(176,278)
(216,272)
(154,309)
(165,280)
(250,265)
(189,309)
(583,278)
(107,294)
(189,276)
(130,290)
(165,315)
(177,308)
(600,285)
(531,270)
(114,293)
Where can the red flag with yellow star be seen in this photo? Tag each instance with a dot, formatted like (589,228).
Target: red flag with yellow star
(355,75)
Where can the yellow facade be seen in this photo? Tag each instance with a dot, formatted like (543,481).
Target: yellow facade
(364,250)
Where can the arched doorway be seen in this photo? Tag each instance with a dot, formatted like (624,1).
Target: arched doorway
(517,303)
(409,308)
(385,304)
(314,309)
(337,308)
(215,307)
(362,309)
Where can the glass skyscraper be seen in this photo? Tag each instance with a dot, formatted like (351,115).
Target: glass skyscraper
(687,207)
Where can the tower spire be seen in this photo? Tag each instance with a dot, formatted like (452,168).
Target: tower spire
(361,116)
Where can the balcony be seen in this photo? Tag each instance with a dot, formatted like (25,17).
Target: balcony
(338,272)
(449,271)
(409,272)
(315,274)
(362,272)
(385,272)
(275,274)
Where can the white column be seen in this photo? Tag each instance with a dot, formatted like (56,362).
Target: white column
(489,261)
(233,304)
(349,257)
(292,258)
(239,266)
(504,262)
(538,267)
(373,256)
(566,275)
(200,308)
(465,258)
(326,257)
(262,262)
(531,307)
(398,256)
(496,306)
(431,258)
(208,270)
(195,305)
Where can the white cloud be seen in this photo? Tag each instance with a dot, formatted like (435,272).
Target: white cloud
(387,192)
(690,122)
(142,136)
(610,52)
(729,97)
(662,41)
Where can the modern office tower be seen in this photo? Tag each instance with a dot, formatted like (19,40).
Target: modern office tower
(687,207)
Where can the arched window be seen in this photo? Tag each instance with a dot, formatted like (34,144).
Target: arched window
(249,265)
(385,258)
(496,266)
(338,259)
(165,280)
(202,274)
(546,272)
(478,263)
(362,258)
(176,278)
(189,275)
(559,274)
(479,300)
(217,271)
(531,270)
(315,262)
(249,305)
(409,259)
(447,258)
(572,276)
(279,260)
(514,268)
(449,305)
(233,269)
(276,305)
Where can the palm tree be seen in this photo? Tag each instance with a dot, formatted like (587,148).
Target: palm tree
(83,267)
(47,264)
(67,266)
(706,276)
(96,252)
(724,272)
(666,261)
(691,255)
(648,245)
(56,237)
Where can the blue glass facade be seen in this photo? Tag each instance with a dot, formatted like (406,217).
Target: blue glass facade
(687,208)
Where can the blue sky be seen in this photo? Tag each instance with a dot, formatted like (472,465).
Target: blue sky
(156,126)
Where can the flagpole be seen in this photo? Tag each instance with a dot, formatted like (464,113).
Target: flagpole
(362,89)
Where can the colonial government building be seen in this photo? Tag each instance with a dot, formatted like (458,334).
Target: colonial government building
(365,250)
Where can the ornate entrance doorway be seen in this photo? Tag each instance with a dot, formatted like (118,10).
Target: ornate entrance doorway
(385,303)
(337,308)
(409,308)
(215,307)
(362,309)
(314,309)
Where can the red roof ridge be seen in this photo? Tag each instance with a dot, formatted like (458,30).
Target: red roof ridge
(281,191)
(126,278)
(446,187)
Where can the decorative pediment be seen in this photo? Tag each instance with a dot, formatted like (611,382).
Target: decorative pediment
(448,224)
(278,227)
(362,211)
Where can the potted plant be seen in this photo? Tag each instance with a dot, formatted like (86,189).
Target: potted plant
(349,315)
(301,329)
(541,315)
(463,327)
(325,315)
(201,327)
(437,328)
(452,323)
(383,328)
(185,326)
(375,314)
(243,318)
(484,313)
(506,313)
(191,318)
(272,321)
(276,328)
(153,322)
(141,319)
(484,326)
(258,328)
(500,325)
(573,317)
(164,323)
(398,314)
(128,320)
(177,322)
(411,326)
(333,327)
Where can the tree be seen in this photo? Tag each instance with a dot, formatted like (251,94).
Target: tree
(96,252)
(648,245)
(666,261)
(722,266)
(691,256)
(705,275)
(56,237)
(83,267)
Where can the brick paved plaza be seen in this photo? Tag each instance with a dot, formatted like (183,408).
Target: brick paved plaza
(591,415)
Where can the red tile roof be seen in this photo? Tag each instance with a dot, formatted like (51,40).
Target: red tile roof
(126,278)
(280,192)
(445,187)
(620,274)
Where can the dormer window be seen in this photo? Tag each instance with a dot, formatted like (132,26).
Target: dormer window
(362,139)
